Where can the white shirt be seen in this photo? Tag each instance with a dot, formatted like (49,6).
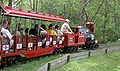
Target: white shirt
(59,32)
(6,33)
(65,27)
(92,36)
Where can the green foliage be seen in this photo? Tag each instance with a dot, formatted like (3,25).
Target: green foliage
(106,20)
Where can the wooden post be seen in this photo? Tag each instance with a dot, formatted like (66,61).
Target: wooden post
(49,65)
(106,51)
(68,58)
(89,53)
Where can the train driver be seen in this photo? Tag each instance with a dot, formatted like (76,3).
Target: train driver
(66,28)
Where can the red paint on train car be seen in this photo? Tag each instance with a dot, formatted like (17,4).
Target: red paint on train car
(28,14)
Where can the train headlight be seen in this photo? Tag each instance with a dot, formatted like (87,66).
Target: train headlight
(96,41)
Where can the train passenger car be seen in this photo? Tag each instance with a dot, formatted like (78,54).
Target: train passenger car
(27,46)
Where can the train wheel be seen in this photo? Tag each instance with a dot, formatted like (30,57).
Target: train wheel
(55,51)
(84,47)
(2,66)
(59,51)
(18,59)
(71,49)
(67,49)
(92,46)
(96,45)
(11,61)
(75,49)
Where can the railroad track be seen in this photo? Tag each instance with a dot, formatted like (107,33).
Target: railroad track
(102,46)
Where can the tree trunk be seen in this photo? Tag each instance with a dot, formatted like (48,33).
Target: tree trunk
(36,5)
(1,2)
(10,3)
(42,5)
(33,5)
(9,18)
(105,21)
(30,4)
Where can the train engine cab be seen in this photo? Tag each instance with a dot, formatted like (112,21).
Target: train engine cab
(80,38)
(91,42)
(74,40)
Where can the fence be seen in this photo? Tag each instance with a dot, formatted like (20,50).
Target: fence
(52,65)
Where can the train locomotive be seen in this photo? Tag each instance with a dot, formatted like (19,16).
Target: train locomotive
(28,46)
(91,42)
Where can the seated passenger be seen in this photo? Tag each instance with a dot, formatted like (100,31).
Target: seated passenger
(43,33)
(1,37)
(51,32)
(88,35)
(43,29)
(6,33)
(40,32)
(60,34)
(65,27)
(82,31)
(31,31)
(20,31)
(92,37)
(26,31)
(34,31)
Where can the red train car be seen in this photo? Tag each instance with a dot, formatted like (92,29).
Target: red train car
(30,46)
(74,41)
(27,46)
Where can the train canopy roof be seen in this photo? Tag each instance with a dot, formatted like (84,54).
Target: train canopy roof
(9,11)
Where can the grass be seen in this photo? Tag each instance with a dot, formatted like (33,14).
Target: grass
(31,64)
(114,42)
(107,62)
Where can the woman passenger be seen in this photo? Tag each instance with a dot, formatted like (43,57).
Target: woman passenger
(51,32)
(43,33)
(59,34)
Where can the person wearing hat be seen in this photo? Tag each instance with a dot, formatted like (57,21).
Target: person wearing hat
(65,27)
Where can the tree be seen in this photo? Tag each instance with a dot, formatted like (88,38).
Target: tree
(9,18)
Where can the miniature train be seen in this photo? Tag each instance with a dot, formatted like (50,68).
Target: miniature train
(31,46)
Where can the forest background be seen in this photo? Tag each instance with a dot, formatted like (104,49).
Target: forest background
(104,13)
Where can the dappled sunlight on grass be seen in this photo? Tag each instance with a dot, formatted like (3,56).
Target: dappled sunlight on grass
(108,62)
